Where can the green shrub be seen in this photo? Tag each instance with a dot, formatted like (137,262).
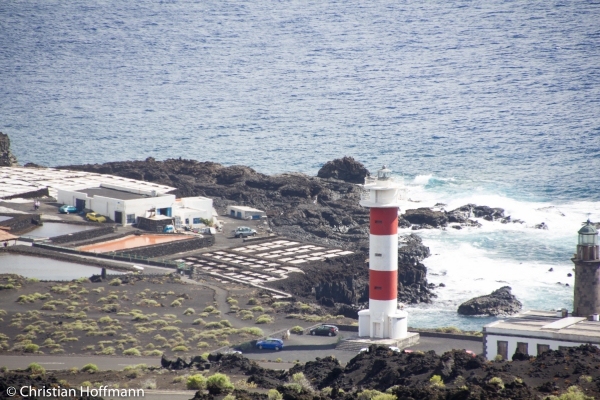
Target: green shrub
(231,301)
(274,395)
(199,321)
(573,393)
(436,381)
(252,301)
(31,348)
(496,381)
(132,352)
(115,282)
(255,331)
(224,323)
(209,309)
(368,394)
(36,368)
(202,345)
(264,319)
(89,368)
(179,348)
(297,329)
(108,351)
(257,309)
(176,303)
(189,311)
(219,383)
(196,382)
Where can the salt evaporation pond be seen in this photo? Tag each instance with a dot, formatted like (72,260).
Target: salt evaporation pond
(52,229)
(45,268)
(130,242)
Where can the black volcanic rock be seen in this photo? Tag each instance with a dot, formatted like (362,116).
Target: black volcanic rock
(422,216)
(499,302)
(7,159)
(346,169)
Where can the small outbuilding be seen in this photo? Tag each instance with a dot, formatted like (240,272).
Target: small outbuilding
(243,212)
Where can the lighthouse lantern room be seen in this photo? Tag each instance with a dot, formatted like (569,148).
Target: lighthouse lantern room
(383,319)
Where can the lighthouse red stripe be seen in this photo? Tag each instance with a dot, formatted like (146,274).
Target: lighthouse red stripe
(384,221)
(383,285)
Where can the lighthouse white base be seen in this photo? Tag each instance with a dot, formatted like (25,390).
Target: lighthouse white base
(381,325)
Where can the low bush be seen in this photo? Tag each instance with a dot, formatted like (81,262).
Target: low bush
(199,321)
(274,395)
(264,319)
(115,282)
(253,331)
(297,329)
(196,382)
(89,368)
(189,311)
(179,348)
(132,352)
(219,383)
(31,348)
(36,368)
(252,301)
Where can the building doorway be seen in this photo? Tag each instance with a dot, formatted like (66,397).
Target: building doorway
(118,217)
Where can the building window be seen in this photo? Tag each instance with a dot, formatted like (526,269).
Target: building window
(187,221)
(197,221)
(522,348)
(563,348)
(542,348)
(503,349)
(131,218)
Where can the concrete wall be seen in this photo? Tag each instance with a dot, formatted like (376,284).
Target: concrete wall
(21,223)
(178,246)
(84,235)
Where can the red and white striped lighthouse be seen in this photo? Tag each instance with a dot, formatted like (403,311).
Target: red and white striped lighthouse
(383,319)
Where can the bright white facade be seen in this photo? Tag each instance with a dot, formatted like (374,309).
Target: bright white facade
(534,332)
(192,210)
(244,212)
(382,319)
(124,205)
(119,204)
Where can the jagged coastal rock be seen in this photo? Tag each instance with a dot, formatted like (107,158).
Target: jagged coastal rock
(346,169)
(499,302)
(7,159)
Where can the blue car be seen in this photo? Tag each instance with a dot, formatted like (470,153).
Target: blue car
(276,344)
(67,209)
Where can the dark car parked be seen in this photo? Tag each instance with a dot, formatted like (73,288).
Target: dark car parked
(325,330)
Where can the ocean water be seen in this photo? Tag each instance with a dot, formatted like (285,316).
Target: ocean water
(493,103)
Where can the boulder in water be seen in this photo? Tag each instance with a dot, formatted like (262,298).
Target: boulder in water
(345,169)
(499,302)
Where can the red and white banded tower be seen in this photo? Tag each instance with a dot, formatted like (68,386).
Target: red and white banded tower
(383,319)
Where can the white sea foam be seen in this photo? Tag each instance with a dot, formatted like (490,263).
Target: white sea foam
(475,261)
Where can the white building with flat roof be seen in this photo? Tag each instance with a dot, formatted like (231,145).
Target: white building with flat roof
(533,332)
(244,212)
(124,205)
(121,204)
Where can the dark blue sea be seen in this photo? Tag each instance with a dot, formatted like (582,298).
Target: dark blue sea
(494,103)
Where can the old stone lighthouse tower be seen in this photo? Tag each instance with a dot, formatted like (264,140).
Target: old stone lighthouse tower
(587,273)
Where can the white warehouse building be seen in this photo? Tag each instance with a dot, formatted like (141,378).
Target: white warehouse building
(124,205)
